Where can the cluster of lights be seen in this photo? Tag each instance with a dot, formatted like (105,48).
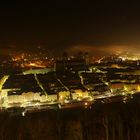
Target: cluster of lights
(124,58)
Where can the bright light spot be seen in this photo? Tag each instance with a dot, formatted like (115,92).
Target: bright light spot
(86,103)
(61,97)
(23,114)
(138,88)
(32,64)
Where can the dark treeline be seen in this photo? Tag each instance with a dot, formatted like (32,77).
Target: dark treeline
(114,121)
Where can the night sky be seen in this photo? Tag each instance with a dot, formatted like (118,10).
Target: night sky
(97,26)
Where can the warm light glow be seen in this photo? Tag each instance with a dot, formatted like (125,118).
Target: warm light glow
(86,104)
(138,88)
(37,64)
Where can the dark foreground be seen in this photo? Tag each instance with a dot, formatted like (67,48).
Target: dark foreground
(111,121)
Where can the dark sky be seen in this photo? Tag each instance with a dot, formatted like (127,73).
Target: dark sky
(96,24)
